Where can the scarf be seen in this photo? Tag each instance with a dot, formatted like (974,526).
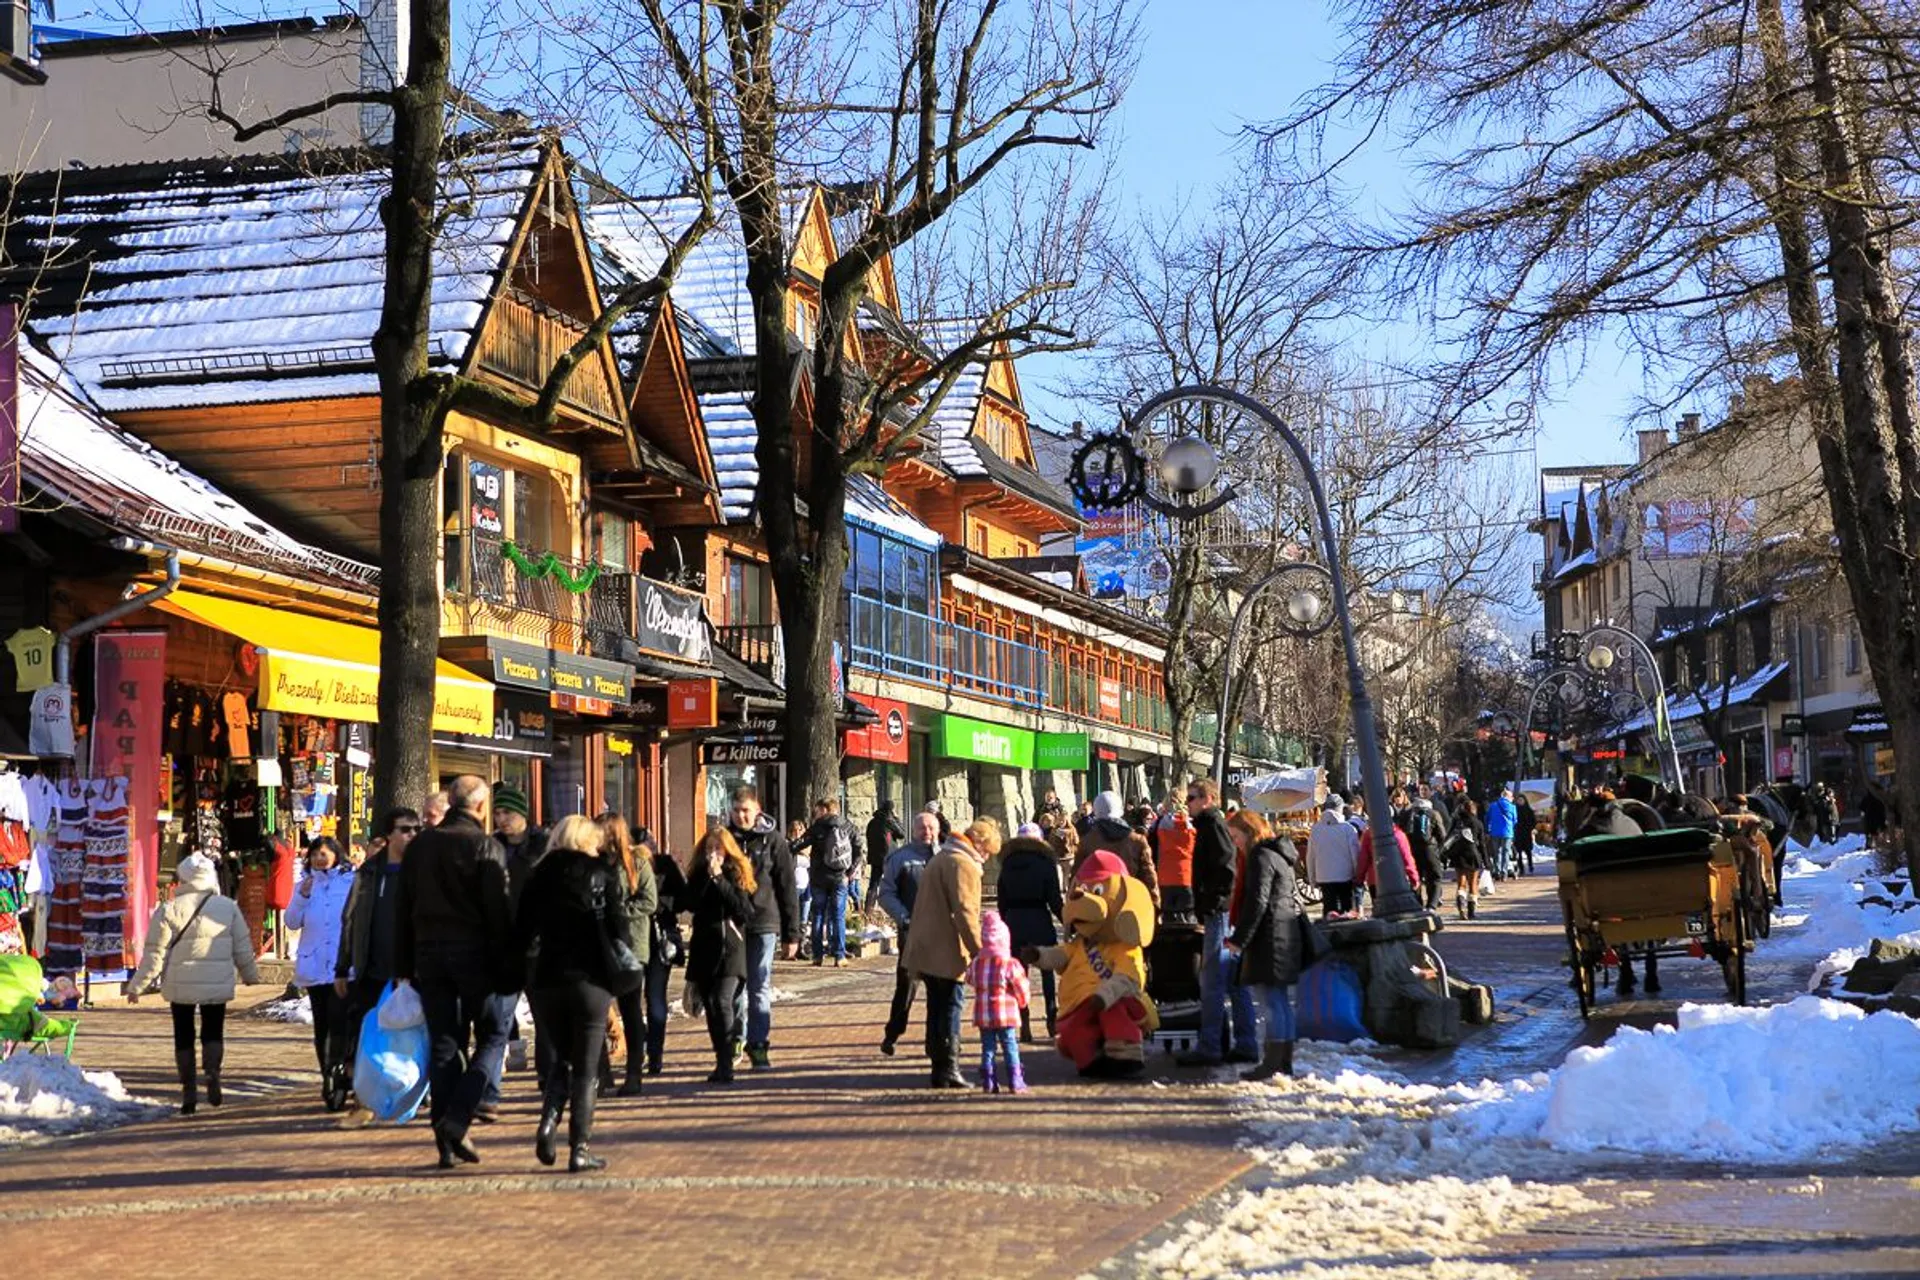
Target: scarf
(1239,887)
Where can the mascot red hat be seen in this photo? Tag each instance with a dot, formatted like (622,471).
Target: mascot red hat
(1099,866)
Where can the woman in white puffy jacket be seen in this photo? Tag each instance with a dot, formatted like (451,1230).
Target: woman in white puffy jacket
(194,945)
(318,911)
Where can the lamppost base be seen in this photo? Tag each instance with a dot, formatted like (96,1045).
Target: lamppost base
(1408,999)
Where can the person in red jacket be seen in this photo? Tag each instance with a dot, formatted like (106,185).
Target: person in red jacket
(1370,874)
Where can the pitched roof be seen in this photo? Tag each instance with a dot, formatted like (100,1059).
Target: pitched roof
(248,279)
(72,458)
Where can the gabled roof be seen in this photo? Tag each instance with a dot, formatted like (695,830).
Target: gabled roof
(73,460)
(248,279)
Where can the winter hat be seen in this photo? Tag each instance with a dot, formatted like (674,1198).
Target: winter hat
(1030,830)
(1099,866)
(995,939)
(1335,803)
(1109,805)
(197,872)
(512,799)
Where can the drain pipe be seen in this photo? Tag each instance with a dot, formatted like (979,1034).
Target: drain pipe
(63,647)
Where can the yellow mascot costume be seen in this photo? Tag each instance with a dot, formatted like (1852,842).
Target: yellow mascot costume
(1105,1013)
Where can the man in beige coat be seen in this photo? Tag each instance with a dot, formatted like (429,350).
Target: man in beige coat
(945,937)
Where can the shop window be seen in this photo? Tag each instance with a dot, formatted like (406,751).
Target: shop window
(485,505)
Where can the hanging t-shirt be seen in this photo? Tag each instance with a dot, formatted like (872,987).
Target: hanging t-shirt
(238,719)
(50,722)
(32,651)
(243,818)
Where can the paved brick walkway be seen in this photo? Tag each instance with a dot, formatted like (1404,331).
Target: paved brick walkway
(835,1163)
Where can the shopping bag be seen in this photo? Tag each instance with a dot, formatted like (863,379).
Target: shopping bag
(1328,1002)
(390,1069)
(400,1008)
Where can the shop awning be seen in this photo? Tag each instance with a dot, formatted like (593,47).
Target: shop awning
(319,667)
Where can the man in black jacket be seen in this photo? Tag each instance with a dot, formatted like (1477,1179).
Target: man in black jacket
(454,928)
(1214,858)
(883,830)
(828,845)
(899,888)
(369,929)
(776,916)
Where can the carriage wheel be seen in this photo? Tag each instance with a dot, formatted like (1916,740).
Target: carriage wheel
(1583,971)
(1733,963)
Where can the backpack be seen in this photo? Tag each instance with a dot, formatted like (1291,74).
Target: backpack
(1420,830)
(840,851)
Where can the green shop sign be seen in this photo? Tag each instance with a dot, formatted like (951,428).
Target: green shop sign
(1068,751)
(964,739)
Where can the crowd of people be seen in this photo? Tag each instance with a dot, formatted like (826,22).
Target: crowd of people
(472,906)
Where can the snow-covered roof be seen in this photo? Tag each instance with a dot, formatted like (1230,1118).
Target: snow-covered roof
(248,279)
(1584,560)
(72,457)
(871,507)
(731,436)
(1697,704)
(950,433)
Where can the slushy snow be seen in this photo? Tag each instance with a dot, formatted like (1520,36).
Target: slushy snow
(41,1095)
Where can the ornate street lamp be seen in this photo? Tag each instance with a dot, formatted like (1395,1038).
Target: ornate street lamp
(1306,587)
(1109,472)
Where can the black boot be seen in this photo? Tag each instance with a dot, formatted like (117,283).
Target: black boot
(1026,1026)
(552,1103)
(630,1087)
(189,1090)
(1276,1061)
(215,1052)
(584,1161)
(954,1080)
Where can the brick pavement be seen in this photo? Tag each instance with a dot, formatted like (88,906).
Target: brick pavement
(834,1163)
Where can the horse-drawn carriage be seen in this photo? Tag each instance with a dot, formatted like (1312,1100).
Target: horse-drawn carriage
(1682,891)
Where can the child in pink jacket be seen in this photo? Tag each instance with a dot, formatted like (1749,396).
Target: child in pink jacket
(999,983)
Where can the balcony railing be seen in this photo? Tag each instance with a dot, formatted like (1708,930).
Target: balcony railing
(488,587)
(524,343)
(757,644)
(901,642)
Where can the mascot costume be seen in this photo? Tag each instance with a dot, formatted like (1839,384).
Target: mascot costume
(1105,1013)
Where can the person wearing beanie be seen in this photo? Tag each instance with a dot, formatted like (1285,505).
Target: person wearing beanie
(1000,997)
(194,945)
(1110,830)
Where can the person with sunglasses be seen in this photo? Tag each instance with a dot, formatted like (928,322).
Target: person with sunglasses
(364,964)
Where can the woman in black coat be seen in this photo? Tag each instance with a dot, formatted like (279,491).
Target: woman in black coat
(720,890)
(1266,935)
(1030,903)
(572,910)
(666,949)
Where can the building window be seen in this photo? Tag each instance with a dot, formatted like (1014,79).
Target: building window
(898,573)
(484,506)
(1821,643)
(1854,656)
(1682,666)
(1619,582)
(1716,659)
(749,603)
(1744,654)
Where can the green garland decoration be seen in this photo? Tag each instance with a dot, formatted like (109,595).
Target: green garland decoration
(551,566)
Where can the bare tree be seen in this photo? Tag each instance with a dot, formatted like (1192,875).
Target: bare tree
(1727,188)
(941,111)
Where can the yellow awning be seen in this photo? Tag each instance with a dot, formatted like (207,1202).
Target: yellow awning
(318,667)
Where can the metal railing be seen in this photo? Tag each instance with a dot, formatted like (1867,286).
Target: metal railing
(918,646)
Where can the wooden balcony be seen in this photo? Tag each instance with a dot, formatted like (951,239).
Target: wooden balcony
(523,341)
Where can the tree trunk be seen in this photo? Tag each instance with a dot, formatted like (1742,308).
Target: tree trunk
(410,447)
(1872,467)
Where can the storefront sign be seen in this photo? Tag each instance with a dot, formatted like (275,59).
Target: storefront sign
(1109,699)
(619,746)
(312,686)
(129,702)
(528,666)
(743,752)
(522,726)
(671,621)
(964,739)
(885,739)
(1883,761)
(486,488)
(1793,726)
(692,704)
(581,704)
(1783,762)
(1061,751)
(1691,735)
(1107,753)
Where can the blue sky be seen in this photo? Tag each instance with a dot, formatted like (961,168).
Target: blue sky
(1207,68)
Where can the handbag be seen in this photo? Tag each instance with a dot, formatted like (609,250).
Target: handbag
(625,973)
(167,955)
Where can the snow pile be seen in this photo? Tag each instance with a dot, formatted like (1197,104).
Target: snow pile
(1837,903)
(1356,1184)
(1783,1084)
(294,1010)
(41,1094)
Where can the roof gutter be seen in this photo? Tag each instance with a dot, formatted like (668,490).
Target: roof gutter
(63,647)
(358,600)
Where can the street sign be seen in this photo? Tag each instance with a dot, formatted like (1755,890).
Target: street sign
(1793,726)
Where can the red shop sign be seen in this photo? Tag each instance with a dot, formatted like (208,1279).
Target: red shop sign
(1109,699)
(885,740)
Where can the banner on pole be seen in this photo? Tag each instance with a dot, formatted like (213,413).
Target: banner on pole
(129,684)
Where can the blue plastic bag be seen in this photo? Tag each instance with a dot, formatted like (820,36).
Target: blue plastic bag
(390,1070)
(1328,1002)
